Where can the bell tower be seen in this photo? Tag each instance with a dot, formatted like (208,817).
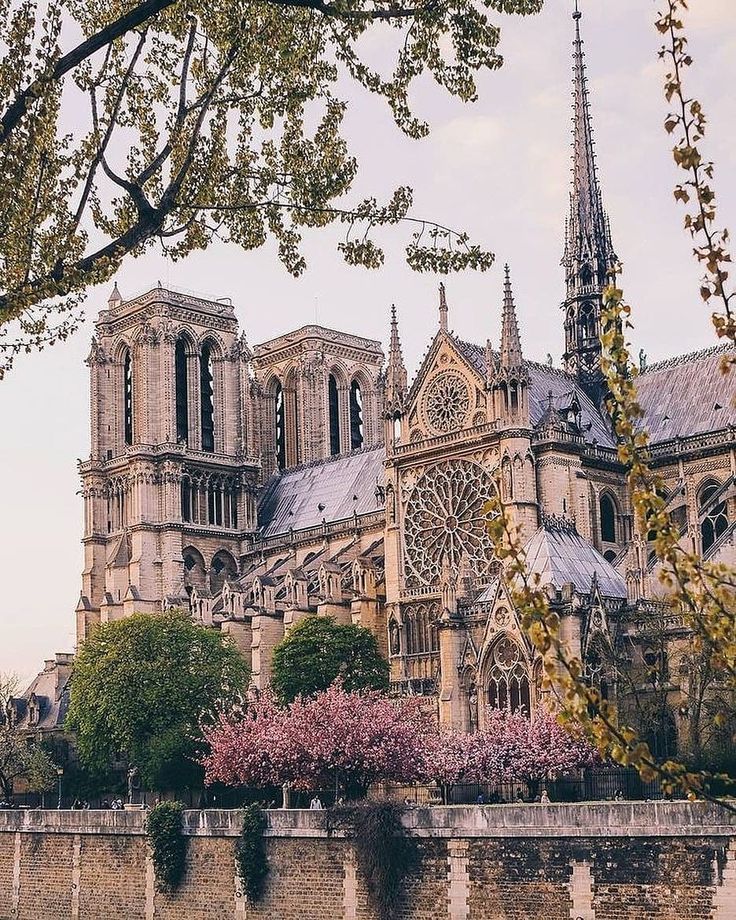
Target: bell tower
(589,258)
(169,489)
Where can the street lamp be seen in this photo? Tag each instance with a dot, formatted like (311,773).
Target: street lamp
(59,773)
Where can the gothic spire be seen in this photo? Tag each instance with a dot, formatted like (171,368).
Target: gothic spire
(396,376)
(588,236)
(114,299)
(510,340)
(443,308)
(589,258)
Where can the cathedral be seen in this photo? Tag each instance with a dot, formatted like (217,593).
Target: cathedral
(256,486)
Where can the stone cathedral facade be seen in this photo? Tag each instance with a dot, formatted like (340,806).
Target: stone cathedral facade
(307,475)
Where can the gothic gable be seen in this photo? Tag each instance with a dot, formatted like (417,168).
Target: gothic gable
(447,395)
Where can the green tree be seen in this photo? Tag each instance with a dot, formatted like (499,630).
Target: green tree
(141,688)
(318,650)
(196,120)
(23,759)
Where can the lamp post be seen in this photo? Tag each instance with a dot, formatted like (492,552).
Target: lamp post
(59,773)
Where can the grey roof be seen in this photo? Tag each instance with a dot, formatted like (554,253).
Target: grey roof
(544,379)
(328,490)
(687,395)
(561,556)
(51,689)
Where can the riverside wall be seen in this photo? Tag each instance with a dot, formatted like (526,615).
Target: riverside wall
(603,861)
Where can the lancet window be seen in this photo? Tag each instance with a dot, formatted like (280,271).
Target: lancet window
(508,687)
(714,516)
(334,410)
(608,518)
(128,398)
(207,398)
(182,395)
(356,416)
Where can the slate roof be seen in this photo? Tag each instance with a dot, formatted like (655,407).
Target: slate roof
(51,689)
(544,379)
(687,395)
(561,556)
(328,490)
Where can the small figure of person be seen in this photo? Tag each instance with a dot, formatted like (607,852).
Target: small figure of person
(544,798)
(481,800)
(316,803)
(519,797)
(618,795)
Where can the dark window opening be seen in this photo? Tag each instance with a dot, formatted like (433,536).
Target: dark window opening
(334,415)
(182,396)
(186,501)
(715,522)
(509,691)
(280,419)
(608,519)
(514,388)
(356,415)
(207,393)
(128,398)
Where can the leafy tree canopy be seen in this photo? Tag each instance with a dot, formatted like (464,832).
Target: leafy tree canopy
(178,121)
(318,650)
(23,758)
(141,687)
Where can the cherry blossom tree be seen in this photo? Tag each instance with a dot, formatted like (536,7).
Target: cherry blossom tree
(335,737)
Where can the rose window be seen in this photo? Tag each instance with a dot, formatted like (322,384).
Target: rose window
(445,522)
(447,402)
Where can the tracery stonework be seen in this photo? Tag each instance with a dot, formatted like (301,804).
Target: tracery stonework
(445,522)
(447,402)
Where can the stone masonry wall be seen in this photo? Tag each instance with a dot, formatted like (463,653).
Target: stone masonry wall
(612,861)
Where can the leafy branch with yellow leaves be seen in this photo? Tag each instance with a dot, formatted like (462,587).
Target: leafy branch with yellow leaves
(703,592)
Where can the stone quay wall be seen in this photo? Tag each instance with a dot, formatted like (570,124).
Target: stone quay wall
(605,861)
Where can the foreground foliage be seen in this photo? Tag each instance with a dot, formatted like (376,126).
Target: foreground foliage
(702,591)
(23,759)
(141,687)
(196,121)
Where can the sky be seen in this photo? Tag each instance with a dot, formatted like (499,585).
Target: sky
(498,168)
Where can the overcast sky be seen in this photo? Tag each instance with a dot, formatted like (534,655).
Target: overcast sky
(499,169)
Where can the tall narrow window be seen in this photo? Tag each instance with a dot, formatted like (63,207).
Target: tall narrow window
(514,395)
(714,516)
(356,415)
(128,398)
(334,415)
(182,396)
(280,422)
(608,519)
(207,393)
(186,500)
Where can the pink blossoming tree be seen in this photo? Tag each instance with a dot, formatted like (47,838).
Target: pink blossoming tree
(350,738)
(353,739)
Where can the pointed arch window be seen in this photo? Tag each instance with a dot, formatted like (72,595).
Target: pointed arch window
(714,516)
(334,409)
(280,424)
(514,395)
(508,686)
(128,398)
(207,397)
(587,322)
(608,519)
(356,415)
(182,394)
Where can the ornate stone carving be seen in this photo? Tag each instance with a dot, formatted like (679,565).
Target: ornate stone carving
(447,402)
(445,521)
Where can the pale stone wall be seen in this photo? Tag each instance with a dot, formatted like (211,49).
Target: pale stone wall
(603,861)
